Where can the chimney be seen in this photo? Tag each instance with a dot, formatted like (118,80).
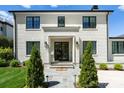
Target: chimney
(94,8)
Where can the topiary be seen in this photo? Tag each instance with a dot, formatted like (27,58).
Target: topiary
(14,63)
(88,75)
(103,66)
(118,67)
(35,70)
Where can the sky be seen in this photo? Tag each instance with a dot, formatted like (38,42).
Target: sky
(116,19)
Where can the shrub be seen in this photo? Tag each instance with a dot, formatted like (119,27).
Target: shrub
(118,67)
(4,42)
(6,53)
(3,63)
(88,75)
(103,66)
(14,63)
(35,74)
(26,62)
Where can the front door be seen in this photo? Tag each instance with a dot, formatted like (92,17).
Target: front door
(61,51)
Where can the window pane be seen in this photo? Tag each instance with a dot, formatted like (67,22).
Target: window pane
(36,22)
(61,21)
(29,22)
(32,22)
(117,47)
(92,22)
(89,22)
(85,22)
(30,44)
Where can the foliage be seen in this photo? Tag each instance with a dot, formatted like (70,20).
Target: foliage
(3,63)
(103,66)
(4,42)
(26,62)
(88,74)
(118,67)
(35,74)
(14,63)
(6,53)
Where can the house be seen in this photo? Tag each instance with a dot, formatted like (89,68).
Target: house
(61,35)
(6,28)
(116,49)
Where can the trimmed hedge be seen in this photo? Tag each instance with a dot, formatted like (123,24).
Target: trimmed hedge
(118,67)
(14,63)
(6,53)
(103,66)
(3,63)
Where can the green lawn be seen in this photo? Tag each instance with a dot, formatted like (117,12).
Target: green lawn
(12,77)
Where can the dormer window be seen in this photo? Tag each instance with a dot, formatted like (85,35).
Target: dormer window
(89,21)
(61,21)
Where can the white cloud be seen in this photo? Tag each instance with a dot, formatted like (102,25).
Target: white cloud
(121,7)
(26,6)
(54,6)
(5,16)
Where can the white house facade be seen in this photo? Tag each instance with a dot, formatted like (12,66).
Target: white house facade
(62,35)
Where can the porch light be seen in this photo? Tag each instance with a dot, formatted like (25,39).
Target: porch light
(46,44)
(77,42)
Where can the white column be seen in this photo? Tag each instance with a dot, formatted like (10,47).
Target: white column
(73,49)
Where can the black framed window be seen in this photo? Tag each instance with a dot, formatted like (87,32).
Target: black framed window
(117,47)
(93,46)
(61,21)
(32,22)
(89,21)
(1,28)
(30,44)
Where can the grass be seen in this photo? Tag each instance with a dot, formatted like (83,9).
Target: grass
(12,77)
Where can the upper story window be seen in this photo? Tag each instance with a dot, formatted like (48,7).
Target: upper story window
(89,21)
(32,22)
(61,21)
(117,47)
(93,46)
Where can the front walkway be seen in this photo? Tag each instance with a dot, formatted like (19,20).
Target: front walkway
(65,78)
(61,78)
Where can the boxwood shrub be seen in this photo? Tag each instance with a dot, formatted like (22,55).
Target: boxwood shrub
(118,67)
(14,63)
(3,63)
(103,66)
(6,53)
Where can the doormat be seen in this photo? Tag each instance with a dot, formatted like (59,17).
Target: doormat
(61,69)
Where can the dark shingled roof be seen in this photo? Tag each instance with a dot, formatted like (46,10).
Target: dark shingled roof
(61,11)
(117,37)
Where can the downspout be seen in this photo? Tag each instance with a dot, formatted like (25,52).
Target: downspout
(107,36)
(15,37)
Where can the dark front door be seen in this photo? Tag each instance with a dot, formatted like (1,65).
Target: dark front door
(61,51)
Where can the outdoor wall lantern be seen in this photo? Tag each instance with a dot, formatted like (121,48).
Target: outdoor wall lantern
(77,42)
(46,44)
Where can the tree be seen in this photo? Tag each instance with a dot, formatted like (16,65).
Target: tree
(35,74)
(88,74)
